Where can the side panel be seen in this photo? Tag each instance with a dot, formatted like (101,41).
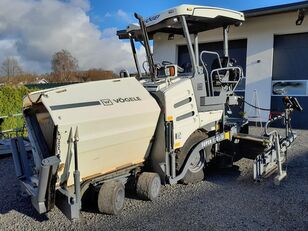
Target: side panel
(181,106)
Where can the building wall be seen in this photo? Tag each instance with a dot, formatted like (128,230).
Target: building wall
(259,32)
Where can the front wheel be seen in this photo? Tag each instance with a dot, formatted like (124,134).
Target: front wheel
(195,172)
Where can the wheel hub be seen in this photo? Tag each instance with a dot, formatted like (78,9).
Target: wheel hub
(155,187)
(197,163)
(119,201)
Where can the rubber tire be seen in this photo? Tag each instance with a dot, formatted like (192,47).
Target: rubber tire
(192,141)
(111,198)
(148,186)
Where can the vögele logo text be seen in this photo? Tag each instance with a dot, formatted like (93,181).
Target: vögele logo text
(127,99)
(109,102)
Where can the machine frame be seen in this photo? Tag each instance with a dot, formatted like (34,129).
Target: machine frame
(161,155)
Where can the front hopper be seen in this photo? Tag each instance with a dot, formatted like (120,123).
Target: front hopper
(116,120)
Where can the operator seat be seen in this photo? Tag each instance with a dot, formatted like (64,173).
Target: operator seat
(186,67)
(227,62)
(224,75)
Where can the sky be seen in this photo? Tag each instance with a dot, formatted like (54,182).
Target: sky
(33,30)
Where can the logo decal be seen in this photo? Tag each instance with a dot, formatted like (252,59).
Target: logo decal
(106,102)
(153,18)
(109,102)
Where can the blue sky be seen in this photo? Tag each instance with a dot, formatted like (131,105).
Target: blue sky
(86,28)
(118,13)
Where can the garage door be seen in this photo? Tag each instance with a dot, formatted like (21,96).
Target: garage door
(290,74)
(237,50)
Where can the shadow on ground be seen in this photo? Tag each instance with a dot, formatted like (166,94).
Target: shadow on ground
(11,197)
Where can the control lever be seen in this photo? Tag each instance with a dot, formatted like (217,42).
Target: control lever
(292,103)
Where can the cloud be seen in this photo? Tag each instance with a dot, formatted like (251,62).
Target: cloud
(108,15)
(33,30)
(123,16)
(83,4)
(109,32)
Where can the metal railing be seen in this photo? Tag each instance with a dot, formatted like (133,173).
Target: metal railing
(210,78)
(11,132)
(228,82)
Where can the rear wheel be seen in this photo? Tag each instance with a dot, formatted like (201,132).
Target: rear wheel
(195,172)
(148,186)
(111,197)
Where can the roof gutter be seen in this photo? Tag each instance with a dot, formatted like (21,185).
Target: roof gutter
(276,9)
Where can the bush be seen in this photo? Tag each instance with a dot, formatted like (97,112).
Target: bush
(11,103)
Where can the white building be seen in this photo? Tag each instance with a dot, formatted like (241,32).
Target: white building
(271,48)
(42,81)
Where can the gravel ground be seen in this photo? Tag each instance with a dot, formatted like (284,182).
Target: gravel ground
(227,200)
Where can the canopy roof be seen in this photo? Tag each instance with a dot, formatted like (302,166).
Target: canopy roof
(198,18)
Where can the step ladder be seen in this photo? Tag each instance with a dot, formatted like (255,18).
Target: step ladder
(254,113)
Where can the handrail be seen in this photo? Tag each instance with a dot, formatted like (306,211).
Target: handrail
(227,69)
(211,53)
(279,117)
(208,79)
(11,116)
(217,70)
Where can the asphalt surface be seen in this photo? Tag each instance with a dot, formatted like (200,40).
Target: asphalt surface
(227,200)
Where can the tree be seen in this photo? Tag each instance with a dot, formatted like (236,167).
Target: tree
(63,64)
(10,67)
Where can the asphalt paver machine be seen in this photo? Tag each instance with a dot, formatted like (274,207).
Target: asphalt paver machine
(163,127)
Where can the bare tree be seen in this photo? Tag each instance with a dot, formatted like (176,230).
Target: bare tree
(64,64)
(10,67)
